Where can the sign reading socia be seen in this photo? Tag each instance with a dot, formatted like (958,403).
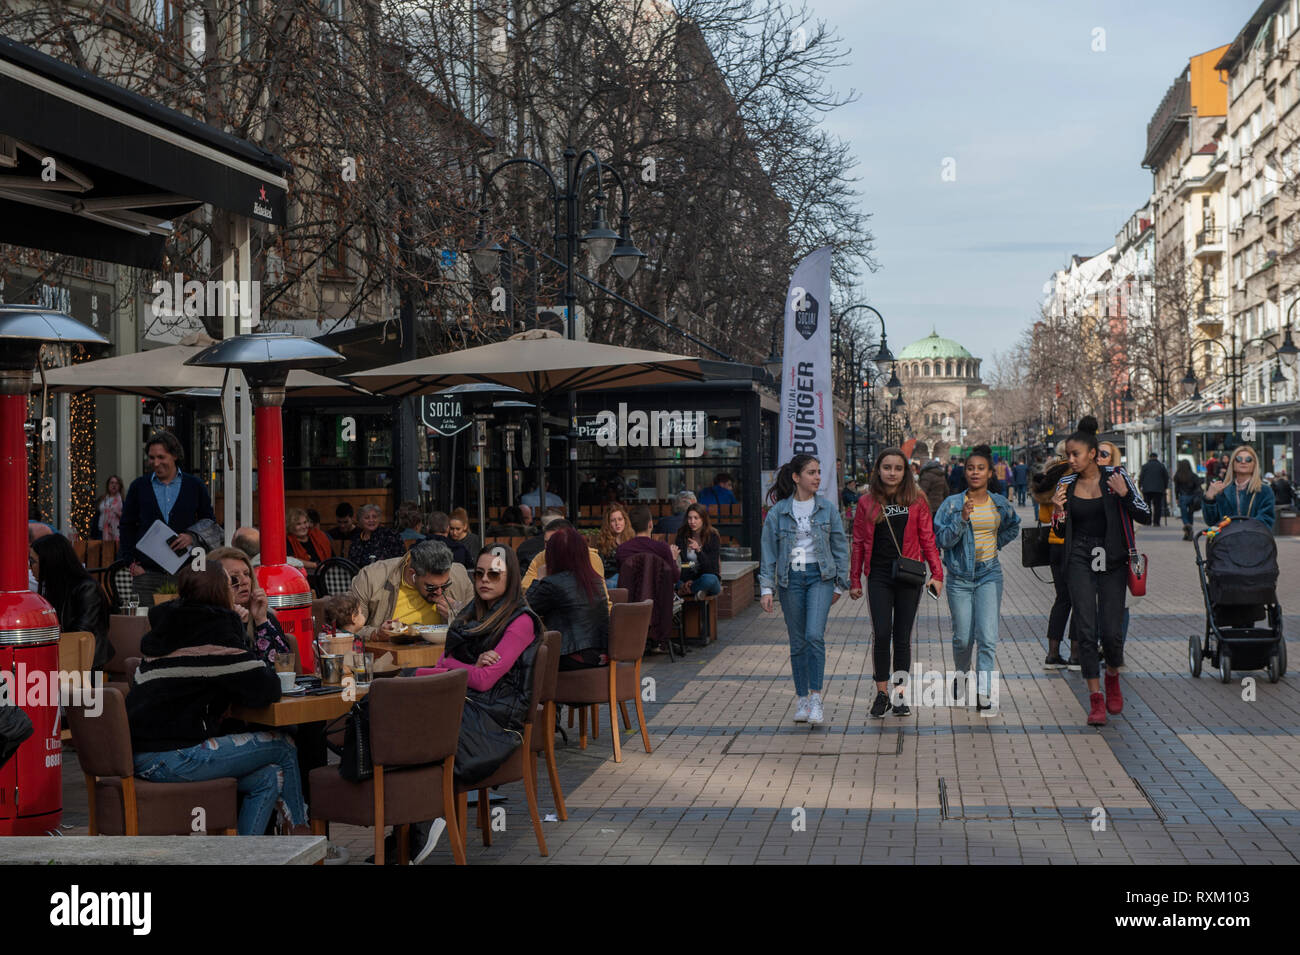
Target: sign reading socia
(443,415)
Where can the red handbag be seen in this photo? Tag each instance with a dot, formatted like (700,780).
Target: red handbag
(1137,563)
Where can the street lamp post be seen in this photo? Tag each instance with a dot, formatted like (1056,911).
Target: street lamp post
(603,244)
(1236,358)
(883,356)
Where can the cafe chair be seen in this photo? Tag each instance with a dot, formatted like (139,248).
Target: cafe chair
(334,576)
(544,715)
(414,729)
(618,595)
(124,635)
(521,766)
(617,682)
(120,804)
(119,584)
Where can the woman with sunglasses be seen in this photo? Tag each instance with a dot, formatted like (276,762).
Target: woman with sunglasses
(1246,495)
(495,638)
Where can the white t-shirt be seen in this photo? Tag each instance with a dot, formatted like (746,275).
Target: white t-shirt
(802,511)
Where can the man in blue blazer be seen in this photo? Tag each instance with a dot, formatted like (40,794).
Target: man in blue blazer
(177,499)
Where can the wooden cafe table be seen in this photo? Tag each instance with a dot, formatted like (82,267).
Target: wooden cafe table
(419,654)
(291,710)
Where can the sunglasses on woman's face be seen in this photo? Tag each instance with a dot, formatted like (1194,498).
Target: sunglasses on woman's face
(1244,459)
(493,575)
(1103,454)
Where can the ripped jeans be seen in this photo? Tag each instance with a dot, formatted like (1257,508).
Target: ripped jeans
(265,764)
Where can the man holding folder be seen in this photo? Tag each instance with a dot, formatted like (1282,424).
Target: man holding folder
(168,495)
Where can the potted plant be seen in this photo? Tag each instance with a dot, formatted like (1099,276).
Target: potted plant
(168,590)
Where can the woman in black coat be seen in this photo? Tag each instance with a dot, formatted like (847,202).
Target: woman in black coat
(571,598)
(72,592)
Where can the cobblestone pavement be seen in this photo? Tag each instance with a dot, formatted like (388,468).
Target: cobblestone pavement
(1190,772)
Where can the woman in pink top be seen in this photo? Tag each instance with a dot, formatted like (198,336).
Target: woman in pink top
(495,637)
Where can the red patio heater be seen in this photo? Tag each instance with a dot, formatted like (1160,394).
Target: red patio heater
(266,360)
(31,783)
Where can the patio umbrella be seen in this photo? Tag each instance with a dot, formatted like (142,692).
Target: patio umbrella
(154,373)
(540,364)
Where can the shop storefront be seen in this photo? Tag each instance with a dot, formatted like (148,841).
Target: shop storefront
(1274,430)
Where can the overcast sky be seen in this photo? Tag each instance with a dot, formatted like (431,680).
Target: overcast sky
(1047,138)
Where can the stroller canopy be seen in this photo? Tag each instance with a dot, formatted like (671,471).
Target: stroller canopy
(1241,563)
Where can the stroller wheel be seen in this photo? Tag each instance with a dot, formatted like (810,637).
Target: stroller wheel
(1194,655)
(1274,667)
(1225,664)
(1281,657)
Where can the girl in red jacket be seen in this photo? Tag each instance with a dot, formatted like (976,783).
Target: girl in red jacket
(892,515)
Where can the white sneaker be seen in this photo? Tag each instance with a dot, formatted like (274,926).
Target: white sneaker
(801,709)
(815,714)
(430,840)
(985,706)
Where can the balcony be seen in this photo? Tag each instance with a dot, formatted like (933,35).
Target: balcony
(1209,242)
(1210,316)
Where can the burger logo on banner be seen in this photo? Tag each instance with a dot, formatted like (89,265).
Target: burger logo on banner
(805,316)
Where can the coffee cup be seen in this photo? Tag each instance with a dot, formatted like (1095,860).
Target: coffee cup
(288,680)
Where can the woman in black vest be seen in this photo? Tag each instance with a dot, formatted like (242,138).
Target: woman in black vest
(495,637)
(1093,504)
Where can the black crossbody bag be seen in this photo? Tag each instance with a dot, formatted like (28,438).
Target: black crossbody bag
(905,570)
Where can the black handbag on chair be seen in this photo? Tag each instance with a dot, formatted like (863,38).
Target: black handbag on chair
(1035,548)
(355,763)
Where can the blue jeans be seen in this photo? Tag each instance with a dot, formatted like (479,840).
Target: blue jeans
(264,764)
(706,585)
(975,604)
(1020,494)
(1185,509)
(805,604)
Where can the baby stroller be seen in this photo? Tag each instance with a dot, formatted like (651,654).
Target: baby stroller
(1239,581)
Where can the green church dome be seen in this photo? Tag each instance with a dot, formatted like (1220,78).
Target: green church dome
(932,346)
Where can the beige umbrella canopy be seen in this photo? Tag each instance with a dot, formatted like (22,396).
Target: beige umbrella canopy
(539,363)
(155,373)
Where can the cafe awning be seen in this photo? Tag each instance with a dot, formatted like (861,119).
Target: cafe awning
(159,371)
(91,169)
(537,363)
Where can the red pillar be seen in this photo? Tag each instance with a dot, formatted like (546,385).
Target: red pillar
(31,783)
(287,590)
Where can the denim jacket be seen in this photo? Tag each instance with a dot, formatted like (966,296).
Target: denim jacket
(830,546)
(956,538)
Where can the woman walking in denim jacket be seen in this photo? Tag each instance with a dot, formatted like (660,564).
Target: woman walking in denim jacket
(806,557)
(971,528)
(893,516)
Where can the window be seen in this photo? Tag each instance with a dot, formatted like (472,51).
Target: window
(249,11)
(333,262)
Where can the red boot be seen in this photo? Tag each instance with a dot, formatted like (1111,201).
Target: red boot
(1114,698)
(1097,715)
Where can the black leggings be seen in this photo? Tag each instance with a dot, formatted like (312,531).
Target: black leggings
(1097,601)
(893,612)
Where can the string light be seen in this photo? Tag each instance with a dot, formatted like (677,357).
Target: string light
(81,455)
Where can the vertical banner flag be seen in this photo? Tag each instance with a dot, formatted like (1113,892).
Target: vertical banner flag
(807,412)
